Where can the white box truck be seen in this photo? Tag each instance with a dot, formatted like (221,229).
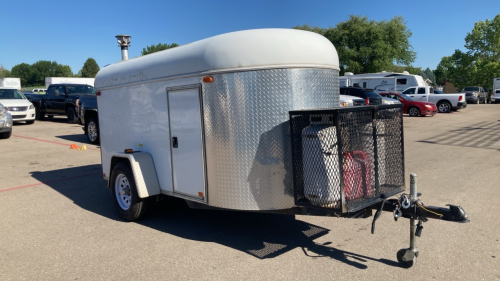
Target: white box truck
(496,84)
(67,80)
(10,82)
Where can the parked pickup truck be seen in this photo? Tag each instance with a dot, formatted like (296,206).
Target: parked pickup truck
(87,116)
(444,102)
(60,99)
(475,94)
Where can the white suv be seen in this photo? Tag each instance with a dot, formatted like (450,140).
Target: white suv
(17,104)
(5,123)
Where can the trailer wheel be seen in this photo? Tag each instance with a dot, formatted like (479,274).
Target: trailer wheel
(71,115)
(124,193)
(407,258)
(414,112)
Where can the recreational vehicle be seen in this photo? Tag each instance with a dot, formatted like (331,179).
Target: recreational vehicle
(382,82)
(250,120)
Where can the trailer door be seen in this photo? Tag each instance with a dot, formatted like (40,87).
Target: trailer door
(186,142)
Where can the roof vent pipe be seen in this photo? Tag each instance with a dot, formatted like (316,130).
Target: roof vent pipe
(124,41)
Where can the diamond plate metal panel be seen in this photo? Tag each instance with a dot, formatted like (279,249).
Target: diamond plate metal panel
(247,138)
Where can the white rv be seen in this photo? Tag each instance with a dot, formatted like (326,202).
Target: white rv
(382,82)
(205,120)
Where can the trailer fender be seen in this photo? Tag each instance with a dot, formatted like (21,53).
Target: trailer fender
(144,171)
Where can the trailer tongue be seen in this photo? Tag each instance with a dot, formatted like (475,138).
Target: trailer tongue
(348,161)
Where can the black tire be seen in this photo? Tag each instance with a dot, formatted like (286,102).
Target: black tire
(71,115)
(126,200)
(413,111)
(6,135)
(30,122)
(92,130)
(407,258)
(444,107)
(38,114)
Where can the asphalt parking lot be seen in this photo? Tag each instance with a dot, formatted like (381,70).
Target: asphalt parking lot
(57,221)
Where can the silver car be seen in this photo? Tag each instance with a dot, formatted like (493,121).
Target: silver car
(5,123)
(346,100)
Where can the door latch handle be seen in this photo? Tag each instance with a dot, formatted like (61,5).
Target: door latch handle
(174,142)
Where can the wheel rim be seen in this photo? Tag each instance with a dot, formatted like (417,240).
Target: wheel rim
(92,131)
(123,191)
(413,112)
(71,116)
(444,107)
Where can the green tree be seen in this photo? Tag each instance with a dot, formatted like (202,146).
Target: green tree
(399,69)
(427,74)
(366,46)
(156,48)
(481,63)
(89,69)
(4,72)
(24,72)
(63,71)
(442,71)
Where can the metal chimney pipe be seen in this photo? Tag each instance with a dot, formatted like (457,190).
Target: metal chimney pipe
(124,41)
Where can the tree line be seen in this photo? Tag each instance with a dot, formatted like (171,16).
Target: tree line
(368,46)
(34,74)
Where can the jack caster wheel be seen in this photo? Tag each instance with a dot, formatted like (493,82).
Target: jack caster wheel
(407,258)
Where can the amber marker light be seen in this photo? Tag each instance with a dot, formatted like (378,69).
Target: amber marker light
(208,79)
(128,150)
(200,194)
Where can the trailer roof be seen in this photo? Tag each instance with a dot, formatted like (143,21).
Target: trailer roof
(236,51)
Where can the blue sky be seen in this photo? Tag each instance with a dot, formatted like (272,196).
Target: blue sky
(69,32)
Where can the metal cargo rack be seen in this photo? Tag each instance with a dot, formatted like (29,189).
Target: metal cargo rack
(346,159)
(349,161)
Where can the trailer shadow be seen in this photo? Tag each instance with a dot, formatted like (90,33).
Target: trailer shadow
(261,235)
(479,135)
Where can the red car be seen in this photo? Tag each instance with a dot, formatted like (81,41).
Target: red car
(411,106)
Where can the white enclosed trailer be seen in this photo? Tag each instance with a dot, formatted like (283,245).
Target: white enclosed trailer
(68,80)
(250,120)
(10,82)
(218,143)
